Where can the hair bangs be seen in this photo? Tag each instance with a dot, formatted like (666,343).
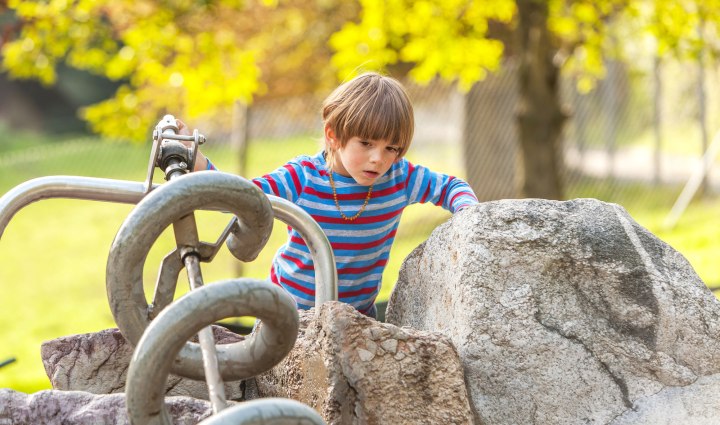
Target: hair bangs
(385,114)
(371,107)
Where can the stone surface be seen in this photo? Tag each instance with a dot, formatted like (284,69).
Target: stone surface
(52,407)
(355,370)
(98,363)
(696,404)
(563,312)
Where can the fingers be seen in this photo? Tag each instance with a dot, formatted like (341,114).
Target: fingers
(182,128)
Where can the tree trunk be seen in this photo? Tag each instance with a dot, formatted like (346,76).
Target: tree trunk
(540,117)
(490,147)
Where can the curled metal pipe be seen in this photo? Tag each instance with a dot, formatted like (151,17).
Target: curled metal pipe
(73,187)
(166,336)
(326,278)
(145,223)
(267,411)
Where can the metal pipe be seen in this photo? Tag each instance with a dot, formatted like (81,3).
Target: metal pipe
(73,187)
(121,191)
(166,336)
(168,204)
(326,278)
(267,411)
(216,388)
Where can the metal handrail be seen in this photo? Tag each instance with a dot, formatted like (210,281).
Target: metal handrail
(128,192)
(71,187)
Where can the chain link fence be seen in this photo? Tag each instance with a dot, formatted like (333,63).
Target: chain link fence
(640,129)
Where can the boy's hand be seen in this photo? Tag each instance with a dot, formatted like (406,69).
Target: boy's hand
(200,161)
(182,128)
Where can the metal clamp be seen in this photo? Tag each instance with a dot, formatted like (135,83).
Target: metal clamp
(167,152)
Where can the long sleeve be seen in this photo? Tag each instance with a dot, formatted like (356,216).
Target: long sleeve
(286,182)
(449,192)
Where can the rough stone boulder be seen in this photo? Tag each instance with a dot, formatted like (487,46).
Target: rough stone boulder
(566,312)
(51,407)
(355,370)
(98,363)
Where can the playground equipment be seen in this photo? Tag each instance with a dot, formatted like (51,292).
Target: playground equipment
(160,329)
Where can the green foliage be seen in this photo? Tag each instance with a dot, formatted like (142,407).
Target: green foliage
(446,38)
(451,38)
(190,57)
(195,57)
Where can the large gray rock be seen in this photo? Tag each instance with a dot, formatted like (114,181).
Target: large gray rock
(355,370)
(98,363)
(693,404)
(563,312)
(51,407)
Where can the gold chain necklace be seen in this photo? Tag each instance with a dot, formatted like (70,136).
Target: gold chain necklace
(337,204)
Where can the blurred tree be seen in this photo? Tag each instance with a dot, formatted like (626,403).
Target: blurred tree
(462,41)
(187,57)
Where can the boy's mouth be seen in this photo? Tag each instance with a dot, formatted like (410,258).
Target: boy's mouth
(370,174)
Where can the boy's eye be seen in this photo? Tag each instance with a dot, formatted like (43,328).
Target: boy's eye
(393,149)
(365,143)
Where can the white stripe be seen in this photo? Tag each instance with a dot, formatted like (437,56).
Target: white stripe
(351,283)
(330,206)
(373,256)
(344,259)
(420,173)
(288,192)
(367,232)
(295,276)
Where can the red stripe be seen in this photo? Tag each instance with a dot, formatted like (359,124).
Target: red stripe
(426,194)
(360,220)
(298,240)
(388,191)
(298,287)
(347,245)
(297,262)
(309,164)
(355,196)
(271,182)
(411,169)
(357,292)
(457,195)
(366,245)
(273,277)
(294,176)
(360,270)
(443,194)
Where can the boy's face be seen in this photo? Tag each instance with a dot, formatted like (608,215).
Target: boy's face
(364,160)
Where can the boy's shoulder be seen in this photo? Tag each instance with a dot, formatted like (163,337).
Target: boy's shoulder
(316,162)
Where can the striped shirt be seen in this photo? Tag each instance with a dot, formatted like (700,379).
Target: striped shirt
(361,246)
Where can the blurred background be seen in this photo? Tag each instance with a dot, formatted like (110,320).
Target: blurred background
(608,99)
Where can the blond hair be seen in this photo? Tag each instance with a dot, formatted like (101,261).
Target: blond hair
(373,107)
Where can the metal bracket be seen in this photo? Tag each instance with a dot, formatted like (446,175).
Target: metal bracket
(166,130)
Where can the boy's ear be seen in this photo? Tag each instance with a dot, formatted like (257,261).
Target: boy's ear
(330,137)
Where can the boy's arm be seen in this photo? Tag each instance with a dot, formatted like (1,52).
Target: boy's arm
(449,192)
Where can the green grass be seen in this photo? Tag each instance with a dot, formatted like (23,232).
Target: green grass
(54,252)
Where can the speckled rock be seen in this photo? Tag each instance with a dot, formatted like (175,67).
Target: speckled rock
(355,370)
(564,312)
(98,363)
(53,407)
